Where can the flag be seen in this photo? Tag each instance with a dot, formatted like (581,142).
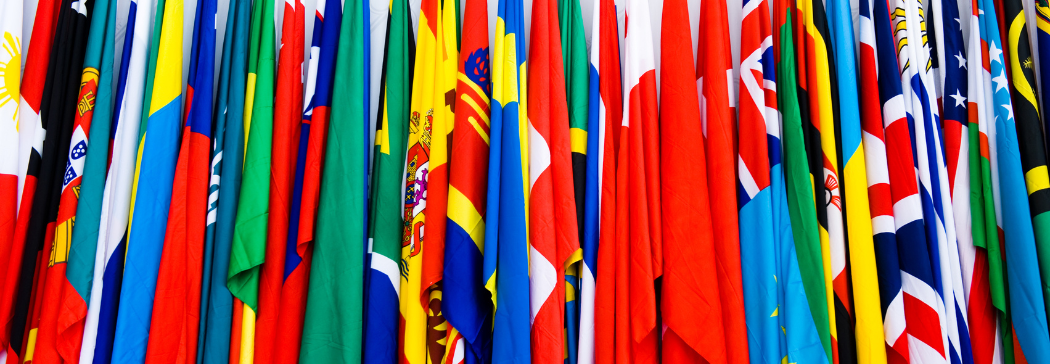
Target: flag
(387,206)
(332,322)
(80,266)
(758,251)
(287,114)
(1026,303)
(506,212)
(878,68)
(57,287)
(804,302)
(919,261)
(100,321)
(30,141)
(248,250)
(306,187)
(822,85)
(1033,150)
(690,281)
(58,111)
(553,230)
(1042,21)
(597,313)
(953,162)
(574,53)
(10,188)
(174,326)
(714,72)
(151,197)
(976,258)
(467,305)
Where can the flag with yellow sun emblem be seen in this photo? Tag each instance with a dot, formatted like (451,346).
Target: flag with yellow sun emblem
(10,72)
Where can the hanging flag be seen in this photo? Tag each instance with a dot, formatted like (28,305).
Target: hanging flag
(40,286)
(57,287)
(85,234)
(1026,302)
(332,323)
(804,306)
(597,313)
(287,114)
(387,204)
(100,319)
(467,305)
(870,347)
(952,162)
(822,86)
(976,258)
(690,281)
(152,194)
(30,142)
(174,327)
(10,188)
(227,161)
(713,74)
(506,220)
(553,235)
(1042,21)
(878,64)
(574,53)
(248,250)
(1033,153)
(758,251)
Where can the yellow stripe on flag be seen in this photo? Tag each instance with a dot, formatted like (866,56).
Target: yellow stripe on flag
(247,336)
(462,212)
(1036,179)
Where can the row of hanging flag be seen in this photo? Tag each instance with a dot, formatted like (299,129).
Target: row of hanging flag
(873,198)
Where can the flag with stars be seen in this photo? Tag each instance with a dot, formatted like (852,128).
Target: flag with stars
(11,66)
(1024,92)
(1022,271)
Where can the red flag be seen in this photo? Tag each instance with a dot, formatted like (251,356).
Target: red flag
(691,306)
(713,70)
(607,57)
(287,113)
(552,229)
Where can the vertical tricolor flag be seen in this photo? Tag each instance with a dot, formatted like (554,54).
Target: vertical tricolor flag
(467,305)
(227,159)
(174,327)
(333,318)
(101,319)
(1022,271)
(553,235)
(866,311)
(690,282)
(73,309)
(976,259)
(152,195)
(386,224)
(597,308)
(804,313)
(248,250)
(506,210)
(758,253)
(877,62)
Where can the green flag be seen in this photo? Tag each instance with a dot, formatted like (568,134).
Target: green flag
(151,66)
(249,237)
(802,207)
(332,326)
